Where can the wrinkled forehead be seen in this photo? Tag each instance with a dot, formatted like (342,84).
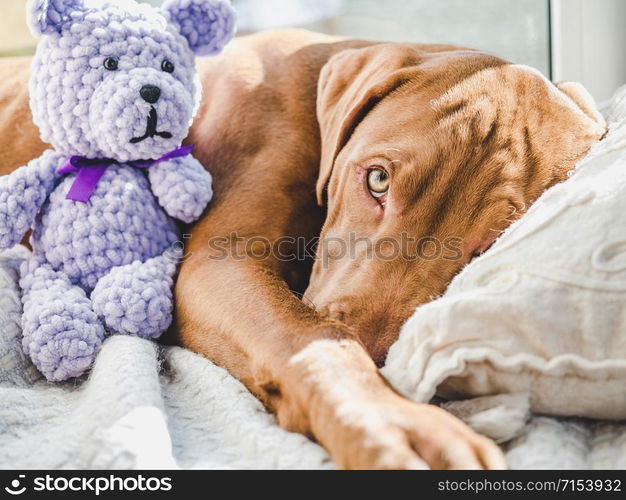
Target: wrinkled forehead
(422,120)
(506,88)
(395,129)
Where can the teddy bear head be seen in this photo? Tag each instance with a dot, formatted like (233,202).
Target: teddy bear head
(117,79)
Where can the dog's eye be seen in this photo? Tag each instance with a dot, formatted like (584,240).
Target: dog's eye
(378,182)
(111,63)
(167,66)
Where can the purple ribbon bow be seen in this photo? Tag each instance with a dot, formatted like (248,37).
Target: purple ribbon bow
(90,171)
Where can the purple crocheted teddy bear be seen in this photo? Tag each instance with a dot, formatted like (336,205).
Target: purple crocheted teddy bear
(114,90)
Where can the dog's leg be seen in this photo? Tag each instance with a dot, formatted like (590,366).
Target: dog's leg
(61,332)
(314,374)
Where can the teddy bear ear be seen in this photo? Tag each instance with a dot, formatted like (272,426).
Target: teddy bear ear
(49,16)
(208,25)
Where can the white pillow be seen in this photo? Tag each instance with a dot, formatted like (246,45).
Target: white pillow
(544,311)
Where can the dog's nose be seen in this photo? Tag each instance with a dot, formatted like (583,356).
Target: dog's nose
(150,93)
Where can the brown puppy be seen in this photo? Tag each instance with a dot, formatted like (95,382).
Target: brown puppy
(420,140)
(486,139)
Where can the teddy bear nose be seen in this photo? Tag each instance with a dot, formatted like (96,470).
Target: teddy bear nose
(150,93)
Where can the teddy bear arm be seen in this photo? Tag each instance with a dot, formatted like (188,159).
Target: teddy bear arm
(182,186)
(22,194)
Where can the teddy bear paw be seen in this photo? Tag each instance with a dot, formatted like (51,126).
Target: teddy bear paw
(135,300)
(61,347)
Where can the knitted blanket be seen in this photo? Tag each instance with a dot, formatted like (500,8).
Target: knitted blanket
(148,406)
(143,406)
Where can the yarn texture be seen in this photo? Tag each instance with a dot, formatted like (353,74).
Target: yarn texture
(113,81)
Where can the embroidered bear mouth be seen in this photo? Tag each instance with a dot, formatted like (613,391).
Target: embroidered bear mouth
(151,128)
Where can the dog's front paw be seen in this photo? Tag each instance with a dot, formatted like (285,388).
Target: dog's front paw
(398,434)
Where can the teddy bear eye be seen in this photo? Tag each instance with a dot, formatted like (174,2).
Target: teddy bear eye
(111,63)
(167,66)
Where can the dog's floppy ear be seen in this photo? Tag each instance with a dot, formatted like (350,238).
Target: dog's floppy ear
(350,85)
(45,17)
(208,25)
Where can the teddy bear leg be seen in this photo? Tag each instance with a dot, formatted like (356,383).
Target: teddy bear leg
(136,299)
(61,332)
